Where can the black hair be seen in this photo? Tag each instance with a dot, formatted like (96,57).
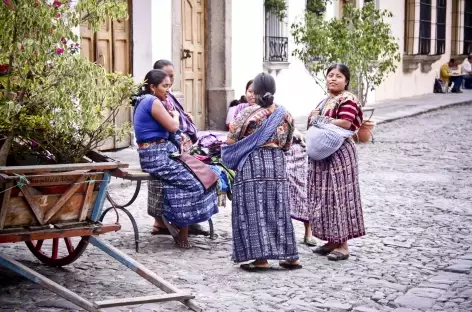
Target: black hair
(249,83)
(469,56)
(243,99)
(452,60)
(343,69)
(154,77)
(160,64)
(234,103)
(264,89)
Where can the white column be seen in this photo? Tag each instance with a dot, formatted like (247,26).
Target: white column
(152,34)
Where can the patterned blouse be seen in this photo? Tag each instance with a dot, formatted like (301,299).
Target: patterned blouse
(344,106)
(252,118)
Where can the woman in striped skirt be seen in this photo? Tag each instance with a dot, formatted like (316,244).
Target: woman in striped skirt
(186,201)
(262,227)
(297,172)
(333,183)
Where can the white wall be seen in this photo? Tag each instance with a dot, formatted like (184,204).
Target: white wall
(152,34)
(296,88)
(401,84)
(247,42)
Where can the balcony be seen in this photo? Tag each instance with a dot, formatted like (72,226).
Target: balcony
(276,49)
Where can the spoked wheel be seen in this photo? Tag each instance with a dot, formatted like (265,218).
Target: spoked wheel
(58,251)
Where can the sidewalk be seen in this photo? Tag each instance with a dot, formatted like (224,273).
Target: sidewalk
(391,110)
(385,111)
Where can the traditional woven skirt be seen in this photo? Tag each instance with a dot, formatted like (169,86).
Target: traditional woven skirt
(334,198)
(297,172)
(155,198)
(185,200)
(262,227)
(156,187)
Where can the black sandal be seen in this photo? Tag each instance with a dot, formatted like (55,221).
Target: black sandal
(322,250)
(156,230)
(337,256)
(196,229)
(251,267)
(290,266)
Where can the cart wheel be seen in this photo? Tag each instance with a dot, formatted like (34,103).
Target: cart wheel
(52,252)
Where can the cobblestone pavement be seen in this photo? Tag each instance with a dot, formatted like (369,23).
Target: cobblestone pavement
(417,256)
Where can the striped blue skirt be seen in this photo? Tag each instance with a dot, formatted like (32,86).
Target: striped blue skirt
(185,200)
(262,227)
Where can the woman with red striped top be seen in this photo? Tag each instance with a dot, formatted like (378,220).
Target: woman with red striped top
(333,183)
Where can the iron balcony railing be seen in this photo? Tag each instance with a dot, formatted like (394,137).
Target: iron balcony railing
(276,49)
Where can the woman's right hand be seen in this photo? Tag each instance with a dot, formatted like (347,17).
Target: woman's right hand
(315,112)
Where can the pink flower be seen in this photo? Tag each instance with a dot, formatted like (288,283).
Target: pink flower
(7,2)
(58,15)
(35,53)
(57,4)
(59,51)
(63,40)
(4,68)
(77,44)
(22,47)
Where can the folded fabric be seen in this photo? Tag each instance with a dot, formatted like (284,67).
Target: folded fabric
(324,138)
(235,155)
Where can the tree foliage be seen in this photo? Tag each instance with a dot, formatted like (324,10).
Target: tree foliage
(51,97)
(276,7)
(361,38)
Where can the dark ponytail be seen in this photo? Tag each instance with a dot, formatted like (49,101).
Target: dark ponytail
(264,89)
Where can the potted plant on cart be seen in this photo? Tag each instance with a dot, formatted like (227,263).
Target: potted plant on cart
(57,107)
(361,38)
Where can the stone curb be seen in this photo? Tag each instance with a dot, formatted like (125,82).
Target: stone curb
(428,110)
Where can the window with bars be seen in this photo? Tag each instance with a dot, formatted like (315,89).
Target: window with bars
(409,30)
(425,27)
(275,42)
(467,28)
(441,26)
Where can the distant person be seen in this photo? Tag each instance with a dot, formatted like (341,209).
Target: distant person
(250,99)
(467,71)
(449,76)
(233,106)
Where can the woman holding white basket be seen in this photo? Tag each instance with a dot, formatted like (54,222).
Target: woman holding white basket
(333,183)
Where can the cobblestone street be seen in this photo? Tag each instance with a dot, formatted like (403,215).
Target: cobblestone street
(416,183)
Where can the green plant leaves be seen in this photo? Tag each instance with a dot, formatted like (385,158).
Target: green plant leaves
(361,38)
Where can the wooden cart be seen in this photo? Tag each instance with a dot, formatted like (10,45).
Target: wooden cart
(56,211)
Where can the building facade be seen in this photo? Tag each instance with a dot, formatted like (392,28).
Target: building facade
(218,45)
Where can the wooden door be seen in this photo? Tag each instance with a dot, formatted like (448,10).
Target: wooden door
(193,63)
(110,47)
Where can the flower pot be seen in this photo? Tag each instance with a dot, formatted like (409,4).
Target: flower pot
(364,134)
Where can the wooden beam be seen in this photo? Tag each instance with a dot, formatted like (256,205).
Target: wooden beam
(4,206)
(65,197)
(87,201)
(141,270)
(28,235)
(33,205)
(141,300)
(61,168)
(42,280)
